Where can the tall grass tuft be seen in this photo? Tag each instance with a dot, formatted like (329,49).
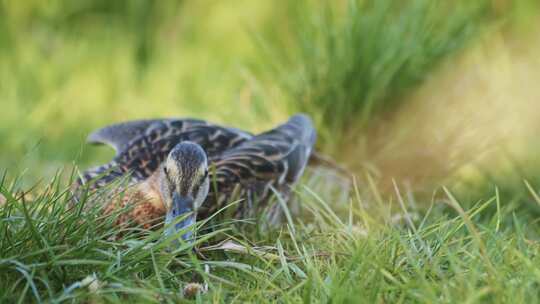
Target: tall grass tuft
(344,61)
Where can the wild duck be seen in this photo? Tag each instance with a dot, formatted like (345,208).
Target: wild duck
(182,170)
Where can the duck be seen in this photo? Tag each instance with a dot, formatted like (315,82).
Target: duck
(178,171)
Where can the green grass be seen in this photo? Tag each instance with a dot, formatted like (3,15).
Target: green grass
(514,179)
(443,255)
(347,63)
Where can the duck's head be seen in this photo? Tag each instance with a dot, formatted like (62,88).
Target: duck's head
(184,186)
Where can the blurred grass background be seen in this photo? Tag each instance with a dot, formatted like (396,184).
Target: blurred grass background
(424,92)
(68,68)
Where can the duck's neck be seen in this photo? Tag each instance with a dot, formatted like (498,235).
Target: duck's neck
(150,188)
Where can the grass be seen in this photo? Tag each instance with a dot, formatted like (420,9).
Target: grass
(67,68)
(448,255)
(347,63)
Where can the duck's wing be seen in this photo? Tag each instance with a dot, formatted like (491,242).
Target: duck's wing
(273,159)
(144,153)
(120,135)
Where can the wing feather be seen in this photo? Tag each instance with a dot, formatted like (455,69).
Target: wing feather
(276,158)
(143,155)
(119,136)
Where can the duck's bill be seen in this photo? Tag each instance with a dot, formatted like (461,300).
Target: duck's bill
(180,218)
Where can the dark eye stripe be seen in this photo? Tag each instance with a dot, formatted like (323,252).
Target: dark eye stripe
(166,173)
(171,185)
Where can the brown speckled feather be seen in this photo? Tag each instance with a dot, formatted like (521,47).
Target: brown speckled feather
(267,164)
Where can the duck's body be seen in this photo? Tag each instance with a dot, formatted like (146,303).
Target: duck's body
(240,165)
